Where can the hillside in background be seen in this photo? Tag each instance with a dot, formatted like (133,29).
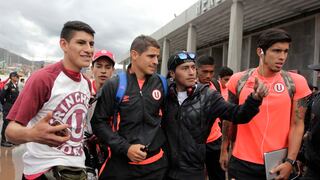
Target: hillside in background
(11,58)
(12,62)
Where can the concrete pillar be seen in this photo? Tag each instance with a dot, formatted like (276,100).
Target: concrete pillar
(249,52)
(165,57)
(235,35)
(210,51)
(192,39)
(225,54)
(316,47)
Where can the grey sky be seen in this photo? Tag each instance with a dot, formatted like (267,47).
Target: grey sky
(31,28)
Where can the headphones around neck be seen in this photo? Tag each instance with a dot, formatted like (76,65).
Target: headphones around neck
(190,91)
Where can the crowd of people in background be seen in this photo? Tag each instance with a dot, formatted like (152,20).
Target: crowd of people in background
(195,124)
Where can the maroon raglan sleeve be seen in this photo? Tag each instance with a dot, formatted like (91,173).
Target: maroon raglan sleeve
(36,92)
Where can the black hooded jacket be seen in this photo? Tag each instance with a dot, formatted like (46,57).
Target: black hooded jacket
(188,125)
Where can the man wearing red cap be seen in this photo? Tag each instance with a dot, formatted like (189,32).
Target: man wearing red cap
(102,68)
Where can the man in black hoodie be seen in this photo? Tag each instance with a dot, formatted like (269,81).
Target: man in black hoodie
(190,112)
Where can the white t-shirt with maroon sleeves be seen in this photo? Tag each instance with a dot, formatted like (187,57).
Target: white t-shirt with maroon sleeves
(66,95)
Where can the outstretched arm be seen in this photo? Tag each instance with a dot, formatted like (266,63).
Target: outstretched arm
(241,114)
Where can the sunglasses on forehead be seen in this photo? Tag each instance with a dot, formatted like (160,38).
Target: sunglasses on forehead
(185,55)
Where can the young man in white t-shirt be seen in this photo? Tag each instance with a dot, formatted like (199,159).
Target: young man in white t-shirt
(102,69)
(49,115)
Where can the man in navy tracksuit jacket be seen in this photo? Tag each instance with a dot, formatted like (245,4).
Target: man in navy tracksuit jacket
(136,142)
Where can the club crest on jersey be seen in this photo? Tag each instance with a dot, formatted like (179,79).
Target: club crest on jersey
(156,94)
(72,110)
(278,87)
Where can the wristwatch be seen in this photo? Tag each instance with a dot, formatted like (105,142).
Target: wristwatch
(290,161)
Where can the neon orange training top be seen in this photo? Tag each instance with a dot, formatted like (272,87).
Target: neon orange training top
(269,129)
(224,91)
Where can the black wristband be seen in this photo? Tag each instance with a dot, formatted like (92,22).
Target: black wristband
(292,162)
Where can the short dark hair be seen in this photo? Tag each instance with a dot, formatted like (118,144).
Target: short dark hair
(71,26)
(225,71)
(272,36)
(205,60)
(13,74)
(142,42)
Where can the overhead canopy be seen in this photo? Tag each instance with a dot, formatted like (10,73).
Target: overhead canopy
(211,19)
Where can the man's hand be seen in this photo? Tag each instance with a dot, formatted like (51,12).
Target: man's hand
(135,153)
(260,90)
(224,159)
(283,171)
(44,133)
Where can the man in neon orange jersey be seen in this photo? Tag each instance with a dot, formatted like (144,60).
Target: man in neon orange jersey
(280,122)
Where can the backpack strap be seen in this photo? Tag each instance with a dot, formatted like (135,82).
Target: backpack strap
(289,83)
(285,75)
(242,81)
(164,84)
(122,86)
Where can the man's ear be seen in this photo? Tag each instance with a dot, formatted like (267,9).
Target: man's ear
(63,44)
(134,54)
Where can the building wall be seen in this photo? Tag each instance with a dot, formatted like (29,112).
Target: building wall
(301,52)
(217,53)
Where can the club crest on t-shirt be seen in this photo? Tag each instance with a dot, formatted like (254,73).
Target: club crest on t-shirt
(72,110)
(278,87)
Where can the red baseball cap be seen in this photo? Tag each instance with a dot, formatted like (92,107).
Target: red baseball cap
(103,53)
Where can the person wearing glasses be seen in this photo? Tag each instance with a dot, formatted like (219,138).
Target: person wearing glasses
(137,141)
(190,112)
